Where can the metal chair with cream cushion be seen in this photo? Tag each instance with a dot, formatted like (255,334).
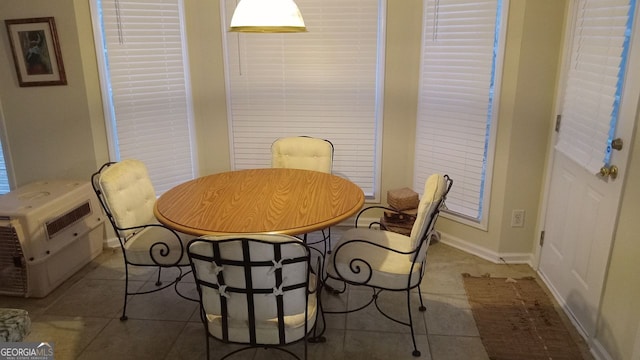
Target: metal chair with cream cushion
(384,260)
(127,196)
(255,289)
(306,153)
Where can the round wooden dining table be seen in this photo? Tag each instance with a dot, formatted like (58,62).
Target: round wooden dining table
(270,200)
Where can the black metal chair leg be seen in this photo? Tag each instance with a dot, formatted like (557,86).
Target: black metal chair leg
(206,338)
(126,292)
(326,239)
(422,307)
(416,352)
(158,282)
(318,338)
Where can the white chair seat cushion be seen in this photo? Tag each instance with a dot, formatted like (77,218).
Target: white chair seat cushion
(389,269)
(138,245)
(267,330)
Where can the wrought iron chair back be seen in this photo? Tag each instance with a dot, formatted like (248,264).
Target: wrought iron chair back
(255,289)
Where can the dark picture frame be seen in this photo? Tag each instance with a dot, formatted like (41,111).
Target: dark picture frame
(36,51)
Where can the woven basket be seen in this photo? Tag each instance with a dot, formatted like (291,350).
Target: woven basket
(397,228)
(405,217)
(403,199)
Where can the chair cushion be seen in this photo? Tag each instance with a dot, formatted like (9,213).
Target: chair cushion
(434,189)
(260,255)
(138,244)
(267,330)
(389,270)
(302,153)
(128,193)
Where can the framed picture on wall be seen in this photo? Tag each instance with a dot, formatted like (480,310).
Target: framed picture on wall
(36,51)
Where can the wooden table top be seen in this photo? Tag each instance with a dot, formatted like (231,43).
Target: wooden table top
(283,201)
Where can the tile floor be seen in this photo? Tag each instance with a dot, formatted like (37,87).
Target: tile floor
(81,317)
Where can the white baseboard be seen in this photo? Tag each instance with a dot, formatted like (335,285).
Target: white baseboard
(495,257)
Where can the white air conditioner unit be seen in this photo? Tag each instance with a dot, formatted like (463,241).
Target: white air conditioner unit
(48,231)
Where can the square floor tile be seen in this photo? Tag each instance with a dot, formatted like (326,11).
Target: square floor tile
(69,335)
(134,339)
(92,298)
(164,304)
(371,345)
(449,314)
(393,304)
(456,348)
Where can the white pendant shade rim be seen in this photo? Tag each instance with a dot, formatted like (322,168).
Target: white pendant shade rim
(267,16)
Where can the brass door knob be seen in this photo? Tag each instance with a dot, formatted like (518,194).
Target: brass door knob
(608,171)
(616,144)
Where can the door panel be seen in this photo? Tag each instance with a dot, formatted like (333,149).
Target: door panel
(578,232)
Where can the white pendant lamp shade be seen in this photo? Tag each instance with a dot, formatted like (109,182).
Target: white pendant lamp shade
(267,16)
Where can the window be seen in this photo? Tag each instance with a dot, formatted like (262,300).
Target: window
(461,55)
(144,74)
(325,83)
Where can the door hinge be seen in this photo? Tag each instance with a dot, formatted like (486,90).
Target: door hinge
(541,237)
(558,121)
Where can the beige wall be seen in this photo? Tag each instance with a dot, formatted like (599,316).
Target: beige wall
(58,131)
(619,324)
(50,128)
(208,86)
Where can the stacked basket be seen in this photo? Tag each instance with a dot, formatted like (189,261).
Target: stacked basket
(405,201)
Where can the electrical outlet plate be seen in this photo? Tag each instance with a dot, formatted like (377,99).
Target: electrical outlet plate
(517,218)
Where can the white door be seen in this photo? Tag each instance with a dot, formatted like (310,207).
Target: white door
(582,207)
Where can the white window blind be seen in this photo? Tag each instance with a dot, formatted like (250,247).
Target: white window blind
(457,95)
(594,80)
(325,83)
(142,48)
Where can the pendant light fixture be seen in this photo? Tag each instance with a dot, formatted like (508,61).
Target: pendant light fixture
(267,16)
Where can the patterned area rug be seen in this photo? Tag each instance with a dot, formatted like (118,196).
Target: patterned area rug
(517,320)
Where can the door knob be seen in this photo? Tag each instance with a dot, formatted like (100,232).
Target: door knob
(608,171)
(616,144)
